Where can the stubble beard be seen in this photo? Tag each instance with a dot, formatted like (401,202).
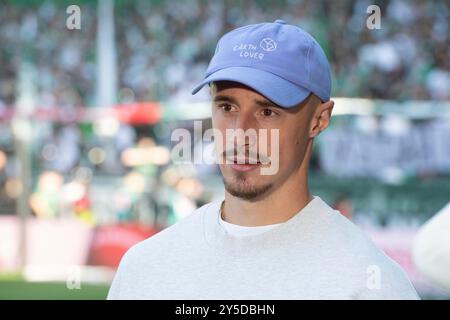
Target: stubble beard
(241,188)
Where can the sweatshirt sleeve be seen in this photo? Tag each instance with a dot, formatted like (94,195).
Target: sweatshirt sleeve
(114,290)
(431,250)
(386,280)
(117,286)
(382,277)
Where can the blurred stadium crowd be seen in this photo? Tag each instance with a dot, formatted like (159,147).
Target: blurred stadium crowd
(110,172)
(163,46)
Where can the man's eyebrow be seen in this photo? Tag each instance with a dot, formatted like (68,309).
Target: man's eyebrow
(258,102)
(266,104)
(223,98)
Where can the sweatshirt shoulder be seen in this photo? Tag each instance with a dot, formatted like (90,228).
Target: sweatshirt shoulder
(185,232)
(162,248)
(380,276)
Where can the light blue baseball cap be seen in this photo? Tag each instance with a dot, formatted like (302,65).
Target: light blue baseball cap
(281,61)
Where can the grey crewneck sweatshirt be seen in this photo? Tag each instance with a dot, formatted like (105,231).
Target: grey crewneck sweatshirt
(316,254)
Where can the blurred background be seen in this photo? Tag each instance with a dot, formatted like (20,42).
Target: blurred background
(86,117)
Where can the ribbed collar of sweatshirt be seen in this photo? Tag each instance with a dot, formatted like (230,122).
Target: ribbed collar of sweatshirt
(302,224)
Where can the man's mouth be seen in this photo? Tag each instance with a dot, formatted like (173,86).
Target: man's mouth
(243,164)
(242,160)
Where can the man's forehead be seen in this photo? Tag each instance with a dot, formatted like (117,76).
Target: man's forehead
(219,86)
(225,90)
(223,85)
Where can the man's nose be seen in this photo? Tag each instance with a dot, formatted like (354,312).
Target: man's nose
(247,130)
(244,121)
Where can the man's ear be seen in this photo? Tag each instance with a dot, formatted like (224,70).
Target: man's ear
(321,118)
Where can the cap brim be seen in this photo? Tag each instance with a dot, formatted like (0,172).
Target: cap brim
(280,91)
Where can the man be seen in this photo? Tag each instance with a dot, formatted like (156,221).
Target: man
(269,238)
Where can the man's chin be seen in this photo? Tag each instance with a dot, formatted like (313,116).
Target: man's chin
(247,191)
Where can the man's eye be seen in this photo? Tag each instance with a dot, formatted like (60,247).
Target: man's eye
(268,113)
(226,107)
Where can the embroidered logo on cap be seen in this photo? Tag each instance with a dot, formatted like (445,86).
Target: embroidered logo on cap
(268,44)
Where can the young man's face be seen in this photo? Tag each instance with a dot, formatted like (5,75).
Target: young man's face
(236,106)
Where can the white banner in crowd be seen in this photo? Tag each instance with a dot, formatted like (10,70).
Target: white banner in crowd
(389,147)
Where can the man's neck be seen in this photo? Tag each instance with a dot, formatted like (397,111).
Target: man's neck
(278,207)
